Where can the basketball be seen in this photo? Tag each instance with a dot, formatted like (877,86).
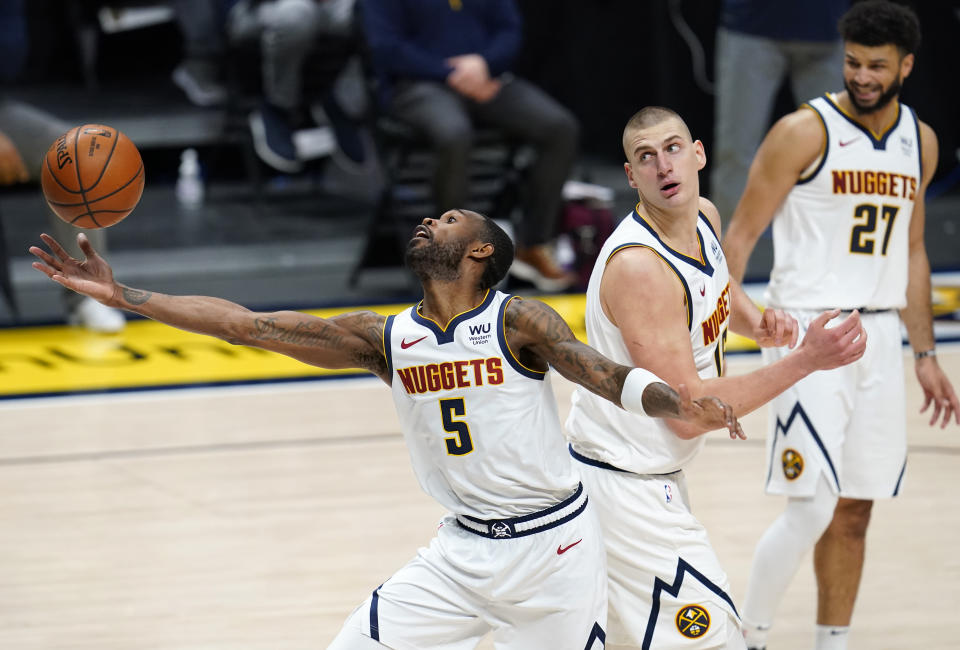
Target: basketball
(92,176)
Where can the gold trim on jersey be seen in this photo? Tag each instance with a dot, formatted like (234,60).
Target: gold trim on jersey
(876,136)
(383,341)
(814,168)
(687,298)
(443,328)
(506,343)
(700,242)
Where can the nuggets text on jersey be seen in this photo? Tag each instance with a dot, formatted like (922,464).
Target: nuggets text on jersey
(715,322)
(462,373)
(859,181)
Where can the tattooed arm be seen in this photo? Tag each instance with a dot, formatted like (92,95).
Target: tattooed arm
(352,340)
(539,336)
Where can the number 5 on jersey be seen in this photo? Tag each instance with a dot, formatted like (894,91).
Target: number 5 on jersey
(459,443)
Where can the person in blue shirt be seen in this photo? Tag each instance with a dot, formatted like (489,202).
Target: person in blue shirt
(441,66)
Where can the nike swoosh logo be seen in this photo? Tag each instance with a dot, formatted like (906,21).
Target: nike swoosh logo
(405,345)
(563,549)
(844,144)
(703,291)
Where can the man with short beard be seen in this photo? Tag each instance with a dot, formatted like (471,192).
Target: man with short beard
(843,181)
(521,555)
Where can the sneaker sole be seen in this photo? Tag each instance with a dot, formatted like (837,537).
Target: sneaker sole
(265,152)
(528,273)
(196,94)
(343,161)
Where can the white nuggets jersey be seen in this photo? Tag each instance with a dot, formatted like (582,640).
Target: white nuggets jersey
(483,432)
(840,239)
(600,430)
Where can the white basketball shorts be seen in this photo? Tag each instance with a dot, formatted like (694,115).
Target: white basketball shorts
(666,587)
(848,424)
(546,590)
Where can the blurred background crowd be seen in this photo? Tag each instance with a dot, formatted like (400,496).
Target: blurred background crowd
(291,144)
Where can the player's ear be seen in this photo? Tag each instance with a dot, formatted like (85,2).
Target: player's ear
(480,250)
(701,154)
(628,170)
(906,66)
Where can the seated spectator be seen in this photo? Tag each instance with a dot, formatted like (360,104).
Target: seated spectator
(759,44)
(286,31)
(199,73)
(443,65)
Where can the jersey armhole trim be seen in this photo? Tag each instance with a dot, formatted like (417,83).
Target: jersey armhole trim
(505,347)
(808,175)
(916,125)
(688,299)
(387,351)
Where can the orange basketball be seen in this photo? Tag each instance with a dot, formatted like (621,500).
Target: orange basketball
(92,176)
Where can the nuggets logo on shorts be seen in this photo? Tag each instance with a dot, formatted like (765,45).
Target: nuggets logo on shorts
(792,464)
(693,621)
(501,529)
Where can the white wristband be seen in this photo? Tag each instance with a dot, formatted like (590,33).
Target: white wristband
(631,398)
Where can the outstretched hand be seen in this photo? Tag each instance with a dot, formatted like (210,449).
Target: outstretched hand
(91,277)
(832,347)
(709,413)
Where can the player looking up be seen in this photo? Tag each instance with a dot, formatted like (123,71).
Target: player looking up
(521,555)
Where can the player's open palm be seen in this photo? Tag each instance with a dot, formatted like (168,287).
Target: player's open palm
(92,276)
(709,413)
(832,347)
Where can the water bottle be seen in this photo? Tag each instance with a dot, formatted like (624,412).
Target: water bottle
(189,188)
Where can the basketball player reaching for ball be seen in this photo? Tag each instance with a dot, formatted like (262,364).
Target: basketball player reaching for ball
(660,297)
(522,554)
(842,179)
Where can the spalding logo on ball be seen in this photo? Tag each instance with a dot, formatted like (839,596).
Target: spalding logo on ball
(92,176)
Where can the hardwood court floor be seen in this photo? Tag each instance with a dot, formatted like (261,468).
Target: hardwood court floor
(259,517)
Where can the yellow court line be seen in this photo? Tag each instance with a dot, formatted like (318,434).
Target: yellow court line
(61,359)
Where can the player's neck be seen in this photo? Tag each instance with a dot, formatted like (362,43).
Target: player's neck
(677,228)
(876,121)
(443,301)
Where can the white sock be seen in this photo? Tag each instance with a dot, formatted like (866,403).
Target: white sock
(734,639)
(778,555)
(755,635)
(831,637)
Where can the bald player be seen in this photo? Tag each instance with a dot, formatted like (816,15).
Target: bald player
(660,297)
